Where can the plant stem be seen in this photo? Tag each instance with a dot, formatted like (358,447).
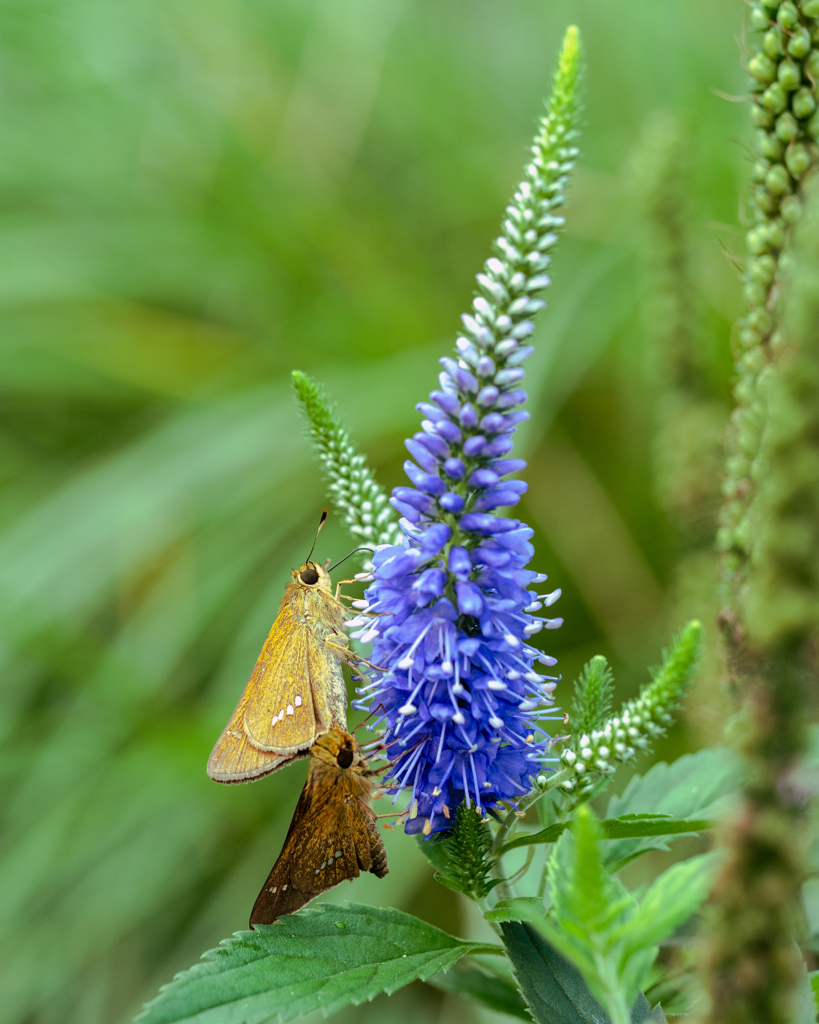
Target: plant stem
(512,818)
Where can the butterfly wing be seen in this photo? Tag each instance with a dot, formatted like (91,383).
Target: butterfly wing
(303,694)
(333,837)
(295,693)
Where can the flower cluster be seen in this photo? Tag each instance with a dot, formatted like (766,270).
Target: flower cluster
(367,514)
(451,610)
(640,720)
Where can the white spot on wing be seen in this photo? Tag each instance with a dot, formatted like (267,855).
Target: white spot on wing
(298,701)
(290,709)
(281,714)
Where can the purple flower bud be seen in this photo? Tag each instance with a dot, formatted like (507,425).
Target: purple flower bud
(522,330)
(430,585)
(433,443)
(454,468)
(447,401)
(396,562)
(510,398)
(520,356)
(474,445)
(427,482)
(463,378)
(498,446)
(470,599)
(483,478)
(479,523)
(508,376)
(460,564)
(513,418)
(468,417)
(451,502)
(422,456)
(498,497)
(490,556)
(487,396)
(432,412)
(448,430)
(480,333)
(504,466)
(407,512)
(409,496)
(486,367)
(434,538)
(493,422)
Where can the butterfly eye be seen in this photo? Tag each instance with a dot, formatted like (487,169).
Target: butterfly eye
(344,757)
(308,576)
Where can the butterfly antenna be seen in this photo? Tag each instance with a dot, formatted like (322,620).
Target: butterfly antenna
(318,531)
(373,712)
(364,547)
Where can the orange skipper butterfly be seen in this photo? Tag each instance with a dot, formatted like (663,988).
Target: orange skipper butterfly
(296,691)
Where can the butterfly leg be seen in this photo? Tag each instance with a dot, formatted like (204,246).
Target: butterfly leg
(347,655)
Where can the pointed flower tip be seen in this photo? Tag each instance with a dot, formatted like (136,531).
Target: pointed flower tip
(570,50)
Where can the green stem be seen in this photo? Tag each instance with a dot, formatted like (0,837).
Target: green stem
(524,804)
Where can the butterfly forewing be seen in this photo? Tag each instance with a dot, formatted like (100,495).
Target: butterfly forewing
(295,693)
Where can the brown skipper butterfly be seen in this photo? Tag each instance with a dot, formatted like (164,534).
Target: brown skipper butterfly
(333,834)
(296,691)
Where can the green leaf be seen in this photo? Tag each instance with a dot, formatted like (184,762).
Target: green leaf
(519,908)
(627,826)
(322,958)
(495,992)
(553,988)
(814,984)
(694,786)
(600,927)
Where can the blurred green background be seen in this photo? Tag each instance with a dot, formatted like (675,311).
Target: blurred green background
(199,196)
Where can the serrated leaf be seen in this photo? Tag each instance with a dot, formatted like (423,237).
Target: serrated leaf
(553,988)
(489,989)
(626,826)
(672,899)
(694,786)
(519,908)
(319,959)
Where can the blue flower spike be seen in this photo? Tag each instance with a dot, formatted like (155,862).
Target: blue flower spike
(451,609)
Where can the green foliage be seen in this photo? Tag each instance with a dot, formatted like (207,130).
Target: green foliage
(628,826)
(601,928)
(491,990)
(695,785)
(554,989)
(363,503)
(322,958)
(518,908)
(464,854)
(591,705)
